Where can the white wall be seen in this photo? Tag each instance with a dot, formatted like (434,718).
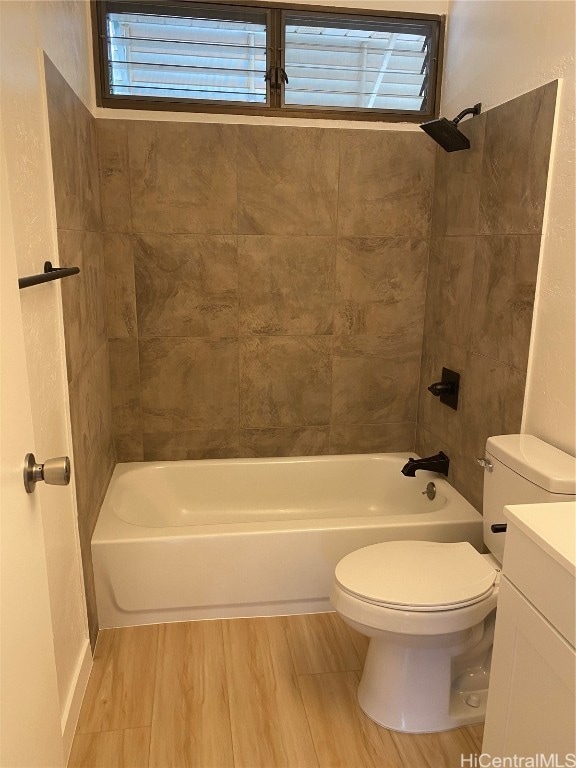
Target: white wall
(439,7)
(499,49)
(60,29)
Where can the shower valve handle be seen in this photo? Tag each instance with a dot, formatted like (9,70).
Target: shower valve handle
(442,388)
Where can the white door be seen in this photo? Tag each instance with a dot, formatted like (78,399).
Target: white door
(30,733)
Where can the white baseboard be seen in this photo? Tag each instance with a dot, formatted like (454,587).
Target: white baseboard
(74,701)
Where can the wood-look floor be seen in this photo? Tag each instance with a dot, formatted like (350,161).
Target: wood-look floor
(274,692)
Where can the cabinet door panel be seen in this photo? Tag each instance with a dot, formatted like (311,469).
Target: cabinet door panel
(531,699)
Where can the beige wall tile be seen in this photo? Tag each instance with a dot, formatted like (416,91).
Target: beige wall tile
(285,441)
(505,274)
(89,176)
(125,386)
(427,444)
(129,447)
(386,180)
(515,163)
(189,383)
(91,422)
(490,403)
(87,571)
(183,177)
(74,148)
(186,285)
(286,285)
(380,285)
(115,190)
(287,181)
(467,477)
(432,414)
(450,287)
(284,381)
(120,287)
(480,298)
(73,247)
(375,379)
(372,438)
(287,184)
(91,425)
(74,151)
(83,297)
(457,183)
(492,400)
(193,444)
(191,717)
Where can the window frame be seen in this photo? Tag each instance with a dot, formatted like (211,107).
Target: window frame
(276,16)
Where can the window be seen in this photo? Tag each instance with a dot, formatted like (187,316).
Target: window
(267,59)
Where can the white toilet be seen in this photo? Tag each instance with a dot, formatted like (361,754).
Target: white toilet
(429,608)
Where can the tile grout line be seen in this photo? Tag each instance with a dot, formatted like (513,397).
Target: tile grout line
(432,200)
(288,427)
(334,282)
(140,431)
(238,350)
(347,336)
(129,174)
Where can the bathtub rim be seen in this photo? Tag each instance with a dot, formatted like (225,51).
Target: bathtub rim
(111,528)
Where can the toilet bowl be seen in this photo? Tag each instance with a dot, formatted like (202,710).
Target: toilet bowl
(430,637)
(429,608)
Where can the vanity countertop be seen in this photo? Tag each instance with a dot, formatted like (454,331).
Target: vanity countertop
(552,526)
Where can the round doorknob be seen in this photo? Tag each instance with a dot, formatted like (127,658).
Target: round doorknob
(52,472)
(56,471)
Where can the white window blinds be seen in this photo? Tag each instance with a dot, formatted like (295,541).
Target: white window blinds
(259,58)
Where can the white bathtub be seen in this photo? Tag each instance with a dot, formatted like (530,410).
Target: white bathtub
(255,537)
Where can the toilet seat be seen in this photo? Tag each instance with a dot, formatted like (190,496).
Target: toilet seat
(417,576)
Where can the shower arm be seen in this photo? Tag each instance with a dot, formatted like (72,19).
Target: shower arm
(475,110)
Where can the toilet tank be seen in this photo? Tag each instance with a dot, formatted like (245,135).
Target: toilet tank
(524,470)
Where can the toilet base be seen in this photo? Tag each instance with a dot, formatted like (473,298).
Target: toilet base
(409,688)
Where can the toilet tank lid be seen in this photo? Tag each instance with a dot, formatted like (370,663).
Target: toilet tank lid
(537,461)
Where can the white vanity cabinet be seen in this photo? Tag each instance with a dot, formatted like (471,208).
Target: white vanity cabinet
(531,701)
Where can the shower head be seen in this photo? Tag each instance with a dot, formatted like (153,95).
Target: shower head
(445,132)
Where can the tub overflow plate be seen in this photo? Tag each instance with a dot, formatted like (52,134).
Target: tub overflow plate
(430,491)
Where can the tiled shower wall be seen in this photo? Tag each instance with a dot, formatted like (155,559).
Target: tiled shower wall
(77,198)
(486,230)
(265,287)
